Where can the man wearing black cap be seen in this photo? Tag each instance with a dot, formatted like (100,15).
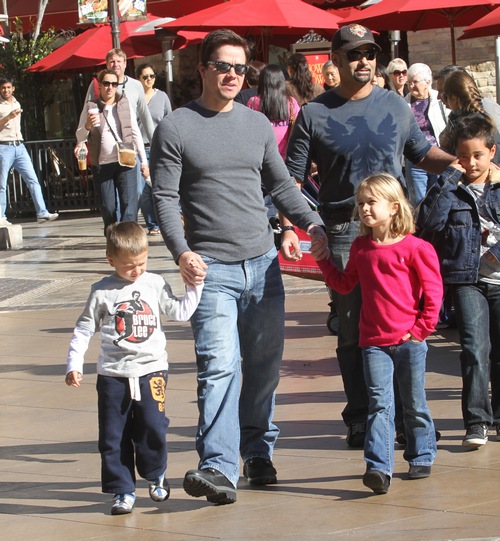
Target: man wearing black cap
(356,130)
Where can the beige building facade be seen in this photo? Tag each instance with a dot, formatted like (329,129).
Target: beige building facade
(433,47)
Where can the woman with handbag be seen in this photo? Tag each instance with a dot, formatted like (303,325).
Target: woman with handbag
(113,137)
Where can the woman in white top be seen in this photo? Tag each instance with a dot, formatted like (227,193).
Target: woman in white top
(114,121)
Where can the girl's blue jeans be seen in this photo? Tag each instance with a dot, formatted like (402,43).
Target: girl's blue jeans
(407,362)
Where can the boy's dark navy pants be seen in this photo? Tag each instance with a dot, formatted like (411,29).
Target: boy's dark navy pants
(131,433)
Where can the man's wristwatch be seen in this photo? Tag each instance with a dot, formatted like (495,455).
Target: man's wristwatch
(287,228)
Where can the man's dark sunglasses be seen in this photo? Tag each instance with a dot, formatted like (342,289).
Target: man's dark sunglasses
(356,55)
(225,67)
(107,84)
(397,73)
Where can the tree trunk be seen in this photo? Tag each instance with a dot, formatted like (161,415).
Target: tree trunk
(42,4)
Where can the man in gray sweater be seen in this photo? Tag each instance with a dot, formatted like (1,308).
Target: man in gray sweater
(212,155)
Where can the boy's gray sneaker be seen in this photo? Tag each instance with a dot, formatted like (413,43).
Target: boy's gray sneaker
(476,436)
(123,504)
(159,489)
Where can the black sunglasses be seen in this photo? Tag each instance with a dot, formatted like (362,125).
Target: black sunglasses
(356,55)
(397,73)
(146,77)
(225,67)
(107,84)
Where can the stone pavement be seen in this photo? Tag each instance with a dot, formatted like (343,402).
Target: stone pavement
(50,467)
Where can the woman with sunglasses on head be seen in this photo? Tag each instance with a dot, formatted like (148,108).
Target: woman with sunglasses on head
(398,70)
(159,106)
(102,124)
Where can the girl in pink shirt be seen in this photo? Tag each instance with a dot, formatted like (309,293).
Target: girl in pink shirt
(275,102)
(401,287)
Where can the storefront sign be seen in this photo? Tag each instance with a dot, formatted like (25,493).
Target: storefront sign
(97,11)
(316,61)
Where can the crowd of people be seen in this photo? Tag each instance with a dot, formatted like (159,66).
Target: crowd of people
(407,192)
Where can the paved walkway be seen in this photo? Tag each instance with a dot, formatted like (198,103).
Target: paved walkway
(49,464)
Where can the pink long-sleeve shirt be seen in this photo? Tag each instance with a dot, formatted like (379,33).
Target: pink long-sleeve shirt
(393,278)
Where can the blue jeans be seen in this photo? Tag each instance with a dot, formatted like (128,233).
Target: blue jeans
(18,157)
(407,362)
(115,181)
(146,198)
(147,207)
(348,307)
(477,310)
(239,335)
(418,182)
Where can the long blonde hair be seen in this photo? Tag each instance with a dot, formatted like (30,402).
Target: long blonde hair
(389,188)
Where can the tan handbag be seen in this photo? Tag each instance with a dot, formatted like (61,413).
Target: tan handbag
(127,156)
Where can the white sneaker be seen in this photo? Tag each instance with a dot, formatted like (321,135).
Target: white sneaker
(159,490)
(47,217)
(4,222)
(123,504)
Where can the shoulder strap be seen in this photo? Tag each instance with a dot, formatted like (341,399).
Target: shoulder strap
(292,111)
(109,126)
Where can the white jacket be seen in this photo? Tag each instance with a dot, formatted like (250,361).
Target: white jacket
(437,112)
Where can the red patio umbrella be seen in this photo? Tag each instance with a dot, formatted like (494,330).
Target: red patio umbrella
(89,48)
(489,25)
(423,15)
(266,19)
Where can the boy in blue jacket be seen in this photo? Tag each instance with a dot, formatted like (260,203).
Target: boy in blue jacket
(462,212)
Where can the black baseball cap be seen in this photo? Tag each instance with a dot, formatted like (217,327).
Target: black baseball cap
(351,36)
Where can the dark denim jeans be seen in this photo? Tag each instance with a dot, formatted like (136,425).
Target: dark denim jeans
(340,237)
(131,433)
(477,309)
(117,184)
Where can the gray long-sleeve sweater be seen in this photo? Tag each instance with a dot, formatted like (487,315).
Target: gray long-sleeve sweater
(215,162)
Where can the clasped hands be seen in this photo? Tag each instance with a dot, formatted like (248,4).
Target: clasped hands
(290,248)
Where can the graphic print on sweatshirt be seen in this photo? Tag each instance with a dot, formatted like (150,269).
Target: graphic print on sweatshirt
(135,322)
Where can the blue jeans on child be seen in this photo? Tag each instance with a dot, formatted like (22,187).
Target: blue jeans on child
(407,362)
(477,311)
(239,337)
(131,433)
